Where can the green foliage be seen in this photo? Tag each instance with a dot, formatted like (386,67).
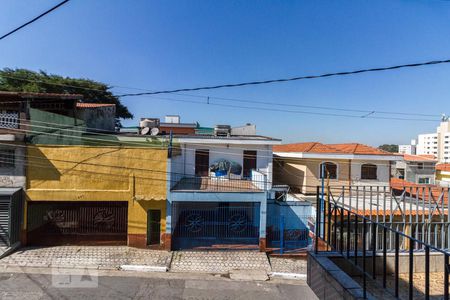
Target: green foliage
(389,148)
(22,80)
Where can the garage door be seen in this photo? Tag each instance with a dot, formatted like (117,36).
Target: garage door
(85,223)
(214,224)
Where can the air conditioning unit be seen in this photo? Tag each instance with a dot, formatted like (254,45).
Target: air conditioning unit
(222,130)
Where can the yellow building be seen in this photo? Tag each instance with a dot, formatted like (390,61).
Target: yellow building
(443,174)
(96,195)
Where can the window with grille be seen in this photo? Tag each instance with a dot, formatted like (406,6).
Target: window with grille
(7,158)
(9,119)
(369,171)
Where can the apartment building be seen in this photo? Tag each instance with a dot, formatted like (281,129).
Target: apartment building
(438,143)
(409,149)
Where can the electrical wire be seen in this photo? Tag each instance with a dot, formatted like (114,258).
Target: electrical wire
(102,142)
(34,19)
(343,73)
(258,102)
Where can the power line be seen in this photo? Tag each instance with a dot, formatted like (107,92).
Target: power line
(344,73)
(294,111)
(362,112)
(34,19)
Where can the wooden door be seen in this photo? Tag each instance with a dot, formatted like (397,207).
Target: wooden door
(153,226)
(202,162)
(249,162)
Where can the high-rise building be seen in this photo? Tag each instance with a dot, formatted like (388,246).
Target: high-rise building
(408,149)
(438,143)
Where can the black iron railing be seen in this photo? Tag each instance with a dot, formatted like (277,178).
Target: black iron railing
(363,242)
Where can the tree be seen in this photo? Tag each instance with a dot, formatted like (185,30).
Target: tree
(389,148)
(22,80)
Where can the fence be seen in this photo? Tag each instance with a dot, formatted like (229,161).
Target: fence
(9,119)
(420,211)
(364,243)
(232,183)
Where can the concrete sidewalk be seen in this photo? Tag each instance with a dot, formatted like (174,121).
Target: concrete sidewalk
(91,257)
(220,262)
(237,264)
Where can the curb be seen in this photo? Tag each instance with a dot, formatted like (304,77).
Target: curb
(297,276)
(143,268)
(10,250)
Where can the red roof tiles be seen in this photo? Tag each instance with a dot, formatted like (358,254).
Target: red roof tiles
(315,147)
(93,105)
(443,167)
(422,158)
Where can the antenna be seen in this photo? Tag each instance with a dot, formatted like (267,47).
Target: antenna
(145,130)
(154,131)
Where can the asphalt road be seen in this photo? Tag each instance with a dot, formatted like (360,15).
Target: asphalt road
(159,286)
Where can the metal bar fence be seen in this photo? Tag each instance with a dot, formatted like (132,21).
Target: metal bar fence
(367,231)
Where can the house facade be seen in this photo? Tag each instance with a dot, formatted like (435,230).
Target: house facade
(303,165)
(218,191)
(419,169)
(15,118)
(443,175)
(83,194)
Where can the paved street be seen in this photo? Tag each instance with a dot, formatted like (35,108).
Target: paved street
(150,286)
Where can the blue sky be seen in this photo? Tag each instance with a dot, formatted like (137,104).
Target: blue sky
(158,45)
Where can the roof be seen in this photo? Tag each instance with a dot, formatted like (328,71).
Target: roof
(420,158)
(443,167)
(359,149)
(93,105)
(26,95)
(312,147)
(316,147)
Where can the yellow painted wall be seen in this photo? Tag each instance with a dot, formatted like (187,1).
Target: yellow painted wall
(86,173)
(443,175)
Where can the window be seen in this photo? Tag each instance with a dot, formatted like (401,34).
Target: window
(330,170)
(369,171)
(424,180)
(7,158)
(420,166)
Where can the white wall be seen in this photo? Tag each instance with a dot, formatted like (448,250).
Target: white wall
(383,172)
(14,176)
(233,153)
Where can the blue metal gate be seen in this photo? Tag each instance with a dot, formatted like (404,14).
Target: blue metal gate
(209,224)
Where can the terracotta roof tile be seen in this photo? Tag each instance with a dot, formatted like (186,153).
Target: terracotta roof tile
(93,105)
(361,149)
(423,158)
(443,167)
(312,147)
(315,147)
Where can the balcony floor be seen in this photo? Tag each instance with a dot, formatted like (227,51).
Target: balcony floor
(210,184)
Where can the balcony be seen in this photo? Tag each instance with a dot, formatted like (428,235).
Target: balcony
(185,183)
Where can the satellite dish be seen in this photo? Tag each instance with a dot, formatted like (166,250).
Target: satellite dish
(145,130)
(154,131)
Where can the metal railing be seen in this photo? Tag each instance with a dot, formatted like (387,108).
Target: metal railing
(185,182)
(9,119)
(336,223)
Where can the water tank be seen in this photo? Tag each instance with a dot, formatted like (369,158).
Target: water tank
(222,130)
